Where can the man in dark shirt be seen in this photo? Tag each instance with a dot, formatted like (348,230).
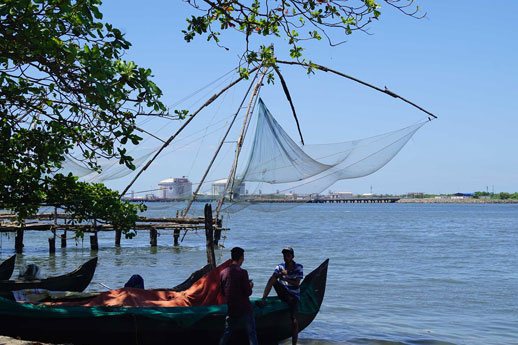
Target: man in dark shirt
(236,287)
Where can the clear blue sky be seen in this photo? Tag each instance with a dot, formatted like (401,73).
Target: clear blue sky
(460,62)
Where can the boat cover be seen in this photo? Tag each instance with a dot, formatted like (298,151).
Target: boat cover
(183,308)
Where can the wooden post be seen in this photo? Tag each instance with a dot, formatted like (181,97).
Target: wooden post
(18,241)
(118,234)
(176,235)
(64,239)
(52,245)
(94,243)
(209,235)
(52,241)
(217,232)
(153,234)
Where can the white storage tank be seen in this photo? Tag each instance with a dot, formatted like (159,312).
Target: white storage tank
(218,187)
(175,188)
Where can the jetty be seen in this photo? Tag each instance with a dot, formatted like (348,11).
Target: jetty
(64,223)
(382,200)
(284,200)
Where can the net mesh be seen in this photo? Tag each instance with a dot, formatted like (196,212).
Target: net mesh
(277,169)
(111,169)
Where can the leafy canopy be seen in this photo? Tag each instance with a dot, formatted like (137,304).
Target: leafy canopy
(66,90)
(293,20)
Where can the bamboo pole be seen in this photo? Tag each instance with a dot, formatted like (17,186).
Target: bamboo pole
(386,91)
(218,149)
(232,174)
(288,96)
(171,138)
(209,236)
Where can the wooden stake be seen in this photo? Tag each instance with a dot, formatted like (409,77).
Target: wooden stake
(209,235)
(18,241)
(64,239)
(153,237)
(118,234)
(52,245)
(94,243)
(217,232)
(176,236)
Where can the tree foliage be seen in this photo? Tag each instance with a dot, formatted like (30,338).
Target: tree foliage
(66,90)
(294,20)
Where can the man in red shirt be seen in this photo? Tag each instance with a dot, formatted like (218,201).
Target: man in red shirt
(236,287)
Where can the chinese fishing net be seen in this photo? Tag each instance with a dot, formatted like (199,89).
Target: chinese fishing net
(278,169)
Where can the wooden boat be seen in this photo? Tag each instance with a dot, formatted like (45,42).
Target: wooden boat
(154,326)
(7,268)
(77,280)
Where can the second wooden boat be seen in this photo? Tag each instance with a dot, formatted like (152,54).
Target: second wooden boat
(77,280)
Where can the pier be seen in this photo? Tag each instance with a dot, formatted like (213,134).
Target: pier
(60,222)
(299,200)
(354,201)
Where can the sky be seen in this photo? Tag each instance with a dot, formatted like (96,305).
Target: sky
(459,62)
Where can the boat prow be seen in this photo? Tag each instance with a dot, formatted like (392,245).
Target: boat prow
(7,268)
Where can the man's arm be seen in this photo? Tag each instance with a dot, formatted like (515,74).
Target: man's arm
(293,282)
(299,276)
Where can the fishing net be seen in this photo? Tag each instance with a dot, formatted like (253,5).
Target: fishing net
(278,170)
(111,169)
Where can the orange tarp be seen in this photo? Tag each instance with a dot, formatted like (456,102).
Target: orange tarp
(205,291)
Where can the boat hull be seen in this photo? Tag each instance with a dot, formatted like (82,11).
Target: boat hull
(76,281)
(272,327)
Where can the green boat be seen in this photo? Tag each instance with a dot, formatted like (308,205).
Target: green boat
(153,326)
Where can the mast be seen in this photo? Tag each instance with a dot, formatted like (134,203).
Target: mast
(232,174)
(219,148)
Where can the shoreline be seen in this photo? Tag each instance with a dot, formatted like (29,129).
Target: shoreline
(5,340)
(456,201)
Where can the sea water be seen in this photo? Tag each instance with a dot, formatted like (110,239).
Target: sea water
(398,273)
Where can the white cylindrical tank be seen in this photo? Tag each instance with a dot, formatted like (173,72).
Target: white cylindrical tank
(218,187)
(175,188)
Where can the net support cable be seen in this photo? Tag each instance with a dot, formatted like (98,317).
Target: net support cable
(187,208)
(171,138)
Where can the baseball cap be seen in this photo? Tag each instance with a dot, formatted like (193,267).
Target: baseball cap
(288,249)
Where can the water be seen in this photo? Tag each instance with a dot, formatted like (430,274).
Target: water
(399,273)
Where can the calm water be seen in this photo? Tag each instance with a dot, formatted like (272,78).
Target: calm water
(398,274)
